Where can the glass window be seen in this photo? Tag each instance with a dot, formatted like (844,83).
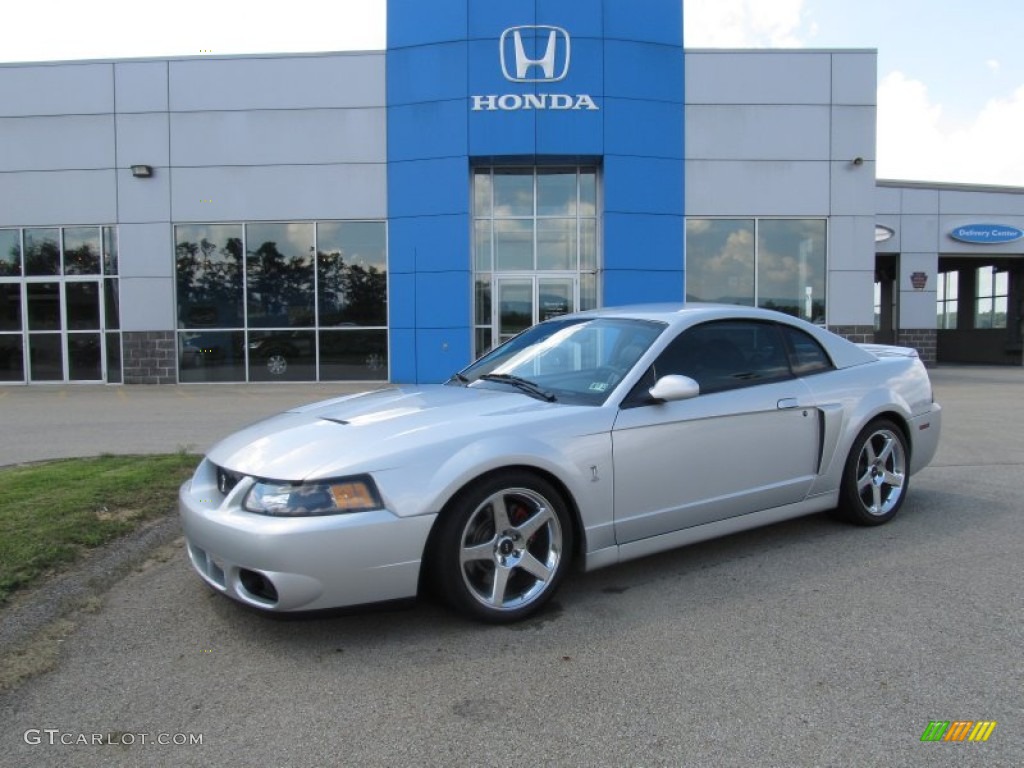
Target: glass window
(774,263)
(85,361)
(282,356)
(791,267)
(10,253)
(82,251)
(352,273)
(12,365)
(354,354)
(209,275)
(483,253)
(807,355)
(726,355)
(211,356)
(556,244)
(513,244)
(43,306)
(947,295)
(513,192)
(720,261)
(279,275)
(110,265)
(82,305)
(556,192)
(42,252)
(46,360)
(993,290)
(482,192)
(112,304)
(10,307)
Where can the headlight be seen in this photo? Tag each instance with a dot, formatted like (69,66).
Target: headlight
(327,497)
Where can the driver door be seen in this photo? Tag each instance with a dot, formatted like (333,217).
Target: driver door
(749,441)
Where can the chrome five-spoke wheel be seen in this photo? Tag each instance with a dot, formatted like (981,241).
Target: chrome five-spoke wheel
(503,547)
(875,481)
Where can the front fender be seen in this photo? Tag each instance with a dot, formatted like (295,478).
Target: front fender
(580,462)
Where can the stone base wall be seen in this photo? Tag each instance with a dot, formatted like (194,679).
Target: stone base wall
(924,340)
(860,334)
(149,357)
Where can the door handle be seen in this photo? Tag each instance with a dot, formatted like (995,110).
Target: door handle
(788,402)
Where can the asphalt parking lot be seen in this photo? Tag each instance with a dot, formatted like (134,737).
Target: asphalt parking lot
(809,643)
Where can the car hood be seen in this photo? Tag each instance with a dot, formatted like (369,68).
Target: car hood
(378,430)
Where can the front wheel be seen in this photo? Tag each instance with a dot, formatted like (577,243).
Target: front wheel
(876,476)
(503,547)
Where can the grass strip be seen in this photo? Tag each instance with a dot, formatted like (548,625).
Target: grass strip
(52,513)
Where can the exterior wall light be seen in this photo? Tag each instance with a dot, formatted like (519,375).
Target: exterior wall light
(142,171)
(857,161)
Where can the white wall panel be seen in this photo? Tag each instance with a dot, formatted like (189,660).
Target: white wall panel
(758,77)
(982,203)
(143,200)
(279,137)
(57,197)
(143,139)
(924,201)
(279,193)
(850,238)
(888,200)
(147,303)
(64,89)
(853,133)
(920,234)
(140,86)
(145,250)
(723,188)
(918,308)
(295,82)
(79,142)
(853,189)
(854,77)
(851,297)
(748,132)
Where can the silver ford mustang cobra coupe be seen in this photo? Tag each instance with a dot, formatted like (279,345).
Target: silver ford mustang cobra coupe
(595,437)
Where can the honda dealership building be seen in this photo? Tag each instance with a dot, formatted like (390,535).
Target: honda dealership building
(388,215)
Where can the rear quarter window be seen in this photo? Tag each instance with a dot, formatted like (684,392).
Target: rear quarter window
(807,356)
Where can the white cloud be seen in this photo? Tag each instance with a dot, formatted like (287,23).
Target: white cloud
(742,23)
(993,66)
(915,143)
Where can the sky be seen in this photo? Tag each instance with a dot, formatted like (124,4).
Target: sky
(950,74)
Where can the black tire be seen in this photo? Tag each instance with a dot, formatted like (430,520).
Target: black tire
(877,475)
(502,547)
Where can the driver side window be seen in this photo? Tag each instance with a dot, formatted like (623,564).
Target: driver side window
(723,355)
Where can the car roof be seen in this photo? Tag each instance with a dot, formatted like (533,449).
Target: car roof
(844,353)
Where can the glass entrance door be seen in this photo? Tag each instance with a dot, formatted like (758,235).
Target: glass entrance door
(525,301)
(64,338)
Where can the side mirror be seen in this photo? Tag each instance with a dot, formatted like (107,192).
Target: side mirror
(670,388)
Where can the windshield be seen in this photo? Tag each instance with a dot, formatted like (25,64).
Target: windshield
(574,360)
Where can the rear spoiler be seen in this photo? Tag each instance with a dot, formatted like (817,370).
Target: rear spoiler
(887,350)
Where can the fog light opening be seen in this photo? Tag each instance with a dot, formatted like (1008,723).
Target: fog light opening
(257,585)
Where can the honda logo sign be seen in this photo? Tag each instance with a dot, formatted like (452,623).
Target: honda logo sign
(557,48)
(534,54)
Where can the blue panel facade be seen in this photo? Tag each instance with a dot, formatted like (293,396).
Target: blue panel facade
(526,82)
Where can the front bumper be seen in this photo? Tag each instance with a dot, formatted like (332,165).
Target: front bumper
(298,563)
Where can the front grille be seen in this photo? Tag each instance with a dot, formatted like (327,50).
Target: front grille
(226,480)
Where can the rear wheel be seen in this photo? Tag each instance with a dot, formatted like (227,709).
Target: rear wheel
(503,547)
(876,476)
